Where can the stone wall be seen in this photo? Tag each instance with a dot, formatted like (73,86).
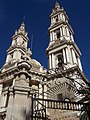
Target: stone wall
(63,115)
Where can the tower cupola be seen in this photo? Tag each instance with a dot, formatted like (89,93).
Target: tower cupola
(20,37)
(19,45)
(60,28)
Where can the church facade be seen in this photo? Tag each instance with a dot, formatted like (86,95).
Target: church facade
(21,76)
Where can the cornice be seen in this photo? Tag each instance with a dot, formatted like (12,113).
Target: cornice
(61,23)
(20,34)
(12,48)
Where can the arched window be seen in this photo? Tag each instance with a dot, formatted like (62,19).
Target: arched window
(58,33)
(57,19)
(60,60)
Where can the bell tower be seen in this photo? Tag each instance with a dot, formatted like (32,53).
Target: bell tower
(62,47)
(65,69)
(19,44)
(20,77)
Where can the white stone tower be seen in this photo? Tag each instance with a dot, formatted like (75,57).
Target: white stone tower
(61,41)
(62,50)
(18,47)
(64,63)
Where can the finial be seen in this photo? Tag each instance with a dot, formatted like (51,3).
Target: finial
(57,5)
(23,20)
(22,26)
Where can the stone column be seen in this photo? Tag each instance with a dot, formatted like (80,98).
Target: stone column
(25,44)
(64,33)
(53,61)
(64,56)
(70,56)
(72,38)
(51,37)
(50,62)
(67,55)
(61,31)
(61,17)
(74,57)
(54,21)
(67,31)
(1,86)
(14,55)
(79,62)
(13,82)
(8,58)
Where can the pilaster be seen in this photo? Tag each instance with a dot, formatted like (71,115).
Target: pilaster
(50,61)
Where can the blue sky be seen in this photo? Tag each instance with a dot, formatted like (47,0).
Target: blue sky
(37,21)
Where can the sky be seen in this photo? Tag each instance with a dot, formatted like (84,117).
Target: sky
(37,21)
